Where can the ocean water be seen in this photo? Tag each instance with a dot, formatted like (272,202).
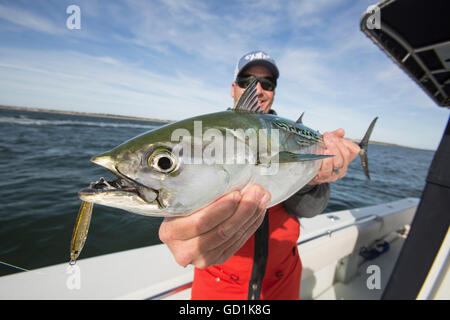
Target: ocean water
(44,162)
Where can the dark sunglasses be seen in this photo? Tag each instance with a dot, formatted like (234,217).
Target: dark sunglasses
(267,83)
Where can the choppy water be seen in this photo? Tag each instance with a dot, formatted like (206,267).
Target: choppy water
(45,161)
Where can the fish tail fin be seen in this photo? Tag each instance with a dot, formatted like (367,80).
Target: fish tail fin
(363,145)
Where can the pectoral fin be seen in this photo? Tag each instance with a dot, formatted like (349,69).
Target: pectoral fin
(286,156)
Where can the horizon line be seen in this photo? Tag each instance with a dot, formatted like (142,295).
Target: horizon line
(124,117)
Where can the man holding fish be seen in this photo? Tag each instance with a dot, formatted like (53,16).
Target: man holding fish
(241,249)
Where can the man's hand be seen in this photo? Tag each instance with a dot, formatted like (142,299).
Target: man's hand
(344,151)
(213,234)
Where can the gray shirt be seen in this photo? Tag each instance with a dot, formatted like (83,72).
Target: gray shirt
(308,201)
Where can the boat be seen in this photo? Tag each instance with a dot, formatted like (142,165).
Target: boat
(415,35)
(395,250)
(330,246)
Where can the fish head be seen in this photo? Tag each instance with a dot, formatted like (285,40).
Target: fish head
(155,178)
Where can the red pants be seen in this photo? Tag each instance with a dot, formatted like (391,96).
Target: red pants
(283,267)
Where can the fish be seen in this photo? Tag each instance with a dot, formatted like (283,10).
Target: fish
(80,230)
(181,167)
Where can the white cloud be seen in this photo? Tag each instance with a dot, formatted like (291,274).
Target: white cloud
(108,60)
(24,18)
(305,12)
(117,87)
(305,68)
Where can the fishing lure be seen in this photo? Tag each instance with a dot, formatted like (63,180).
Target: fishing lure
(80,230)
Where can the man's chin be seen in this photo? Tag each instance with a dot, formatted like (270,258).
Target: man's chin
(265,107)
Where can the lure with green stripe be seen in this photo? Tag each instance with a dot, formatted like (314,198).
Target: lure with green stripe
(80,230)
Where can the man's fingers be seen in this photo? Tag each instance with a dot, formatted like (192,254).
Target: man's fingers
(205,247)
(331,142)
(352,147)
(226,230)
(201,221)
(239,241)
(345,153)
(339,132)
(223,252)
(248,206)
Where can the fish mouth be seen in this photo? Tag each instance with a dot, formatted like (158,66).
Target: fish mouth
(122,186)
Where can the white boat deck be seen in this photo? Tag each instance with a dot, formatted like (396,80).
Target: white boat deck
(329,247)
(357,289)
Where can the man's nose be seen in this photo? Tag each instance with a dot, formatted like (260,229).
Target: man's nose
(259,89)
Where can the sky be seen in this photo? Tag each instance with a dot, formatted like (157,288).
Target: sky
(175,59)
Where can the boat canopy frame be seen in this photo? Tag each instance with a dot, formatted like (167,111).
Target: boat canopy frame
(415,34)
(425,60)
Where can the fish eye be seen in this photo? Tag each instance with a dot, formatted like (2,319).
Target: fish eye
(165,163)
(162,160)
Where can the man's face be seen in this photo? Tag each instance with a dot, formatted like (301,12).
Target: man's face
(265,97)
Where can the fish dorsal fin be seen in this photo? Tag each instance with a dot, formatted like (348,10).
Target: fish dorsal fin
(248,101)
(300,120)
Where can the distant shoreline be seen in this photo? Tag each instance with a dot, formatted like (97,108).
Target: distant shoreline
(87,114)
(112,116)
(387,144)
